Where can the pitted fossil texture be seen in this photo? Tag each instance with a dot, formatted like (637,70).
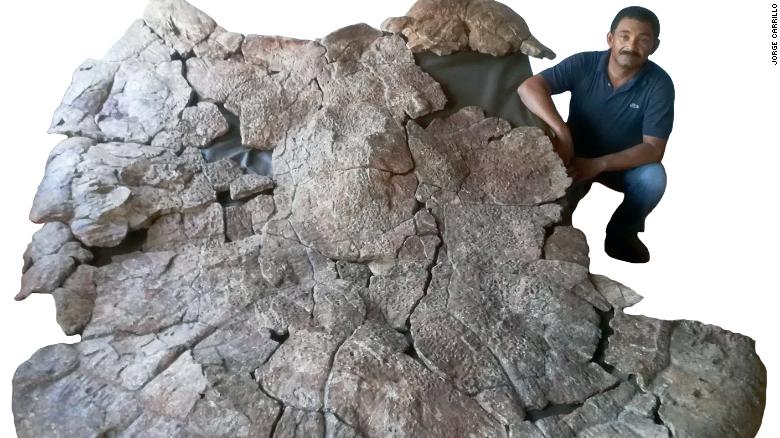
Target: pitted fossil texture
(384,278)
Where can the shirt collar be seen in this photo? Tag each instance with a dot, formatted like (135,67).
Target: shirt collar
(604,62)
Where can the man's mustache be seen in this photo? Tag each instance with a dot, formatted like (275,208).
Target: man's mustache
(628,52)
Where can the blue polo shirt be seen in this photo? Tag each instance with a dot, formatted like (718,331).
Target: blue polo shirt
(603,120)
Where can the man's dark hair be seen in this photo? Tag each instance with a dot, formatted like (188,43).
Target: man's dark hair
(640,14)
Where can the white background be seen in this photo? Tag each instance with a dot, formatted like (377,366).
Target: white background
(713,237)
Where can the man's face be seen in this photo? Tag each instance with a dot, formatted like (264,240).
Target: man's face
(632,43)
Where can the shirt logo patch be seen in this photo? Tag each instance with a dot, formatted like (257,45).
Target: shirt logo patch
(634,106)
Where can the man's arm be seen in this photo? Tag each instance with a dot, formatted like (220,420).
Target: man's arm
(651,150)
(536,96)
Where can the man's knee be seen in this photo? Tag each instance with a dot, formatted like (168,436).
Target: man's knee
(648,180)
(576,192)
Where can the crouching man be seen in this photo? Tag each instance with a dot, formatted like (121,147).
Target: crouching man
(620,118)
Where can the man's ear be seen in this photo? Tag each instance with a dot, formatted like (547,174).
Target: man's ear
(609,39)
(657,43)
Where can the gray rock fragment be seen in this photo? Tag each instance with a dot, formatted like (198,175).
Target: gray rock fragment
(272,107)
(48,240)
(335,428)
(617,294)
(215,80)
(501,312)
(371,222)
(475,370)
(220,44)
(119,187)
(501,403)
(602,413)
(296,423)
(52,200)
(74,300)
(286,312)
(496,238)
(357,273)
(298,371)
(239,346)
(260,209)
(232,406)
(238,223)
(375,388)
(714,371)
(135,361)
(180,24)
(46,274)
(221,173)
(425,223)
(568,244)
(420,248)
(76,251)
(143,100)
(198,127)
(204,226)
(648,342)
(49,260)
(569,276)
(89,89)
(139,43)
(183,282)
(52,386)
(249,184)
(339,307)
(394,293)
(155,426)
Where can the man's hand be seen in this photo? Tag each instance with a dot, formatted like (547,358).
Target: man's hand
(563,143)
(582,169)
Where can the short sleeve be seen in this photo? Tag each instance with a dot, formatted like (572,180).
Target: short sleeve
(659,115)
(563,76)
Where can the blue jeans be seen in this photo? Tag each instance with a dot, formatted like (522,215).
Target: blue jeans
(642,189)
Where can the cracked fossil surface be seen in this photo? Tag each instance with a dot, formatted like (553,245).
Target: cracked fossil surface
(376,276)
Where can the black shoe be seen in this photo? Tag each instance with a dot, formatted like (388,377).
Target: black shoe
(626,247)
